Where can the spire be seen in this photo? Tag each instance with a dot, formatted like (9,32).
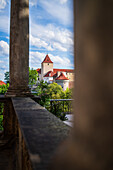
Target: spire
(47,59)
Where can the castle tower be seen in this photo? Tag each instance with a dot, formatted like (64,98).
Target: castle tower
(46,65)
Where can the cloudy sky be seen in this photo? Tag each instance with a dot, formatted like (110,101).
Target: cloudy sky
(51,31)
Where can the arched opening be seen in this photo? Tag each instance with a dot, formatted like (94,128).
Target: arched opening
(52,53)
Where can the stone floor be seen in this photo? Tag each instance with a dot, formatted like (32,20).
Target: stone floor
(6,153)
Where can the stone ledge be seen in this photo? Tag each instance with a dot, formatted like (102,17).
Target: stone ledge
(4,99)
(41,130)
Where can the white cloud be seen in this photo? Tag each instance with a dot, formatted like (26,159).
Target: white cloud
(33,2)
(57,46)
(4,23)
(4,48)
(3,69)
(4,60)
(1,75)
(37,42)
(61,12)
(7,37)
(63,1)
(61,61)
(2,4)
(51,37)
(57,9)
(36,58)
(1,61)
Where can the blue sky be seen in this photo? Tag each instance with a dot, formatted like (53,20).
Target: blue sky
(51,31)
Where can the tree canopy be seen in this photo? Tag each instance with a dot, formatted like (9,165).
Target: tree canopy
(4,88)
(46,92)
(7,77)
(55,91)
(33,75)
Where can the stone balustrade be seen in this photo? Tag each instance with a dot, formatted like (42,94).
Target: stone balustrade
(38,133)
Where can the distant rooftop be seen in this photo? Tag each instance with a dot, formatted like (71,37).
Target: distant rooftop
(39,70)
(2,83)
(47,59)
(62,77)
(54,72)
(63,70)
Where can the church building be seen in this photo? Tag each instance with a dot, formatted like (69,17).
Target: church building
(63,77)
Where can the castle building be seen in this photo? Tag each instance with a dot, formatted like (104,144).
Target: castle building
(63,77)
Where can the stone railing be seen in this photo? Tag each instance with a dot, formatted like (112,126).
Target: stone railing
(37,133)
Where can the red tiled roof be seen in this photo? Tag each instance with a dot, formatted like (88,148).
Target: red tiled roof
(54,73)
(49,74)
(2,83)
(62,77)
(47,59)
(39,70)
(63,70)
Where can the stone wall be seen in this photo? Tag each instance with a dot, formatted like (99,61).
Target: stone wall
(70,76)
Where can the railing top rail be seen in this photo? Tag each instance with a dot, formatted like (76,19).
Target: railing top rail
(43,134)
(51,100)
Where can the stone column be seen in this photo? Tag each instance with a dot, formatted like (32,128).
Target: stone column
(91,144)
(19,49)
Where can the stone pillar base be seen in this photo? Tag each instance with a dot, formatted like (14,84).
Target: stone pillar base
(19,92)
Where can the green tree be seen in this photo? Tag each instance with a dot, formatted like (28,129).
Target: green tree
(33,75)
(3,90)
(42,92)
(7,77)
(55,91)
(68,93)
(42,87)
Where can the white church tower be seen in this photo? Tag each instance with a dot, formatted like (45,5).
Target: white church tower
(46,66)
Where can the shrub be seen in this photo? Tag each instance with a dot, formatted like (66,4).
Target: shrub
(3,90)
